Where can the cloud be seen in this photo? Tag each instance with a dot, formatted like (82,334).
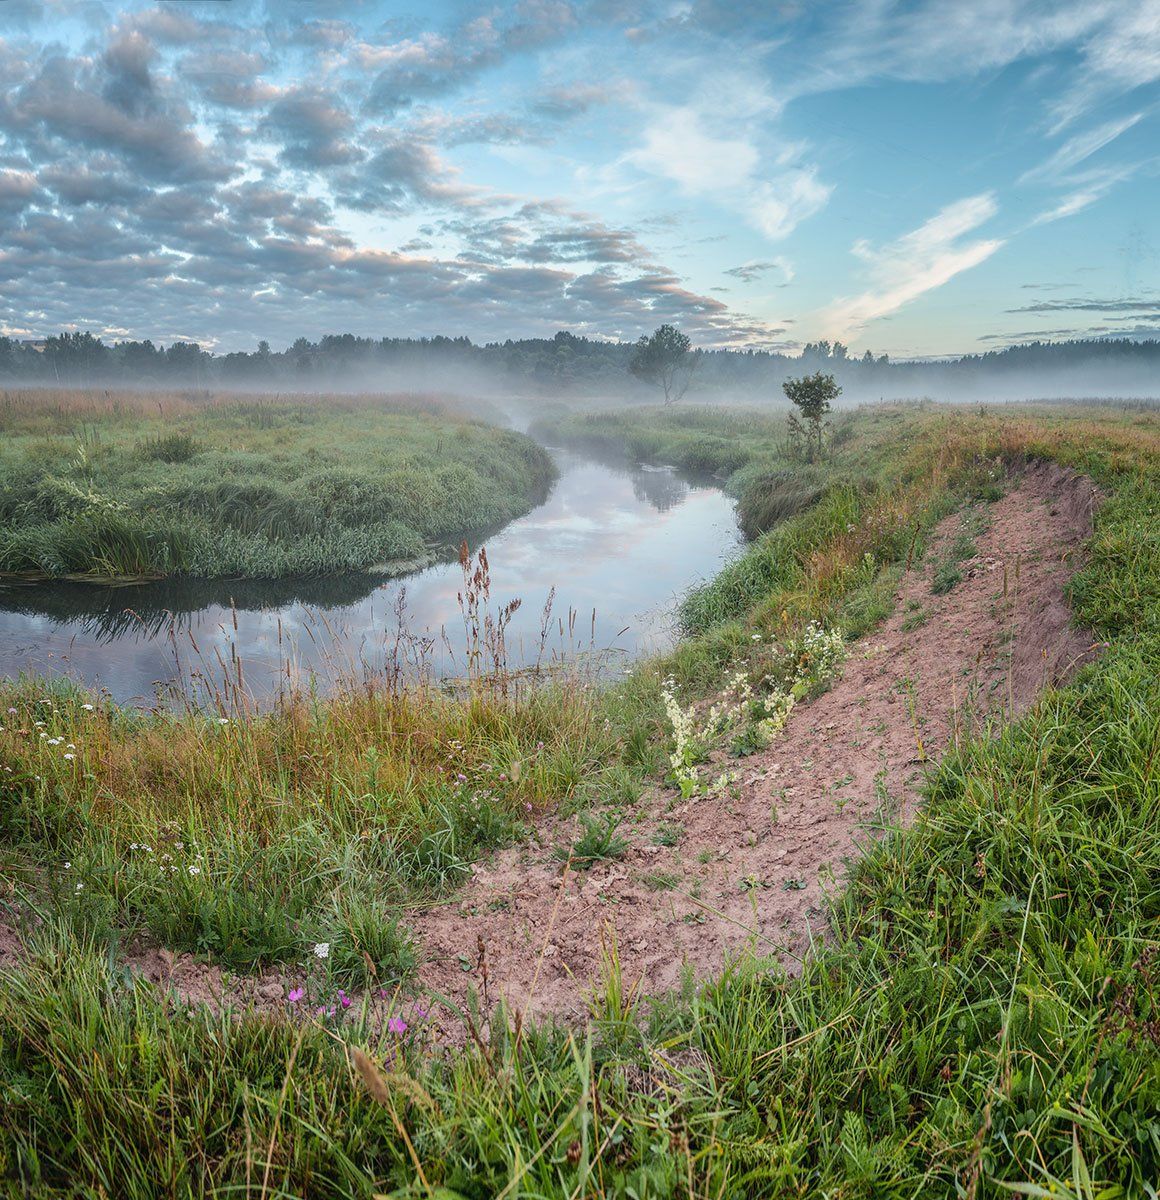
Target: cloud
(755,269)
(115,103)
(497,129)
(575,99)
(401,174)
(914,264)
(1121,54)
(1078,148)
(18,189)
(168,25)
(230,78)
(314,127)
(547,233)
(434,64)
(1087,189)
(727,166)
(1120,304)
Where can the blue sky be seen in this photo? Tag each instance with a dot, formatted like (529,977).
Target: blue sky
(918,178)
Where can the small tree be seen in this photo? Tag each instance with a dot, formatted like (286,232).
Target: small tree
(666,360)
(811,396)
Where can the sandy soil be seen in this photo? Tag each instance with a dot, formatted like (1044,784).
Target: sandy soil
(752,869)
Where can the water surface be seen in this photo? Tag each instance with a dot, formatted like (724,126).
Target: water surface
(619,545)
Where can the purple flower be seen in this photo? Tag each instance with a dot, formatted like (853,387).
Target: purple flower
(295,994)
(343,999)
(397,1025)
(420,1012)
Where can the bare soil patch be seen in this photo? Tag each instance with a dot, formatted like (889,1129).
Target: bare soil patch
(752,869)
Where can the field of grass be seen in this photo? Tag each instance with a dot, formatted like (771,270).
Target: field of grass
(985,1020)
(210,486)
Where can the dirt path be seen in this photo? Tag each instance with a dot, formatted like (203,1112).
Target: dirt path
(752,868)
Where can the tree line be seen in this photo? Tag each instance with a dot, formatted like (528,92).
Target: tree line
(562,363)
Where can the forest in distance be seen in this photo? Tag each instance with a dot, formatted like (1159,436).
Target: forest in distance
(572,366)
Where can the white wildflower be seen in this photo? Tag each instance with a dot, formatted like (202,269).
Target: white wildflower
(321,949)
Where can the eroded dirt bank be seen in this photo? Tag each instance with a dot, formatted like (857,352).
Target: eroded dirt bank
(707,877)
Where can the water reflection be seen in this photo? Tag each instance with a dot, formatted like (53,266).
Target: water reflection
(616,545)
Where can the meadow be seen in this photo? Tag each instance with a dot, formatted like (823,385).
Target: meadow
(963,1032)
(107,485)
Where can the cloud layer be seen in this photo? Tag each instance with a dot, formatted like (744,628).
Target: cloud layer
(226,173)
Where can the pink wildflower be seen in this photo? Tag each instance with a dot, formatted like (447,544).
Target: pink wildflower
(295,994)
(397,1025)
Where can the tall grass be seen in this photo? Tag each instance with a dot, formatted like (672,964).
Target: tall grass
(984,1019)
(256,487)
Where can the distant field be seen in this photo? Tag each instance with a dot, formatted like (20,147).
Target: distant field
(132,484)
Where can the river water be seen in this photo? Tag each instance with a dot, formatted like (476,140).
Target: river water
(619,545)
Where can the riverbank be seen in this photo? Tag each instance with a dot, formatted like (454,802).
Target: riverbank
(980,1012)
(597,567)
(134,486)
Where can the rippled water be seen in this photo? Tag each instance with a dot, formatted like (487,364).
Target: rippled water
(619,545)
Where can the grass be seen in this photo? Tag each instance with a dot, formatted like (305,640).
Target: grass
(100,485)
(981,1022)
(598,842)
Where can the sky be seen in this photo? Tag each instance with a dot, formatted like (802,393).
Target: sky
(918,178)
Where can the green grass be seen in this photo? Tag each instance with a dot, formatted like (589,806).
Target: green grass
(256,488)
(982,1021)
(598,842)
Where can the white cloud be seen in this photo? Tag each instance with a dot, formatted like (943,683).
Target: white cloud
(916,263)
(682,145)
(1121,54)
(1080,147)
(1088,187)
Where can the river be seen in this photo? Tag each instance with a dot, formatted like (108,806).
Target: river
(619,544)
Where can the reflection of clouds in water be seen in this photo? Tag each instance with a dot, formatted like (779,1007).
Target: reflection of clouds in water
(623,543)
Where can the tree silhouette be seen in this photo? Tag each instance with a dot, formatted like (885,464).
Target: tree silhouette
(666,361)
(811,396)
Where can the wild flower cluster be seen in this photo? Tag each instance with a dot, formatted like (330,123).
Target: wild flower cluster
(753,714)
(685,748)
(820,651)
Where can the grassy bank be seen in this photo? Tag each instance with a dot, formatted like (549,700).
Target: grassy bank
(94,484)
(983,1021)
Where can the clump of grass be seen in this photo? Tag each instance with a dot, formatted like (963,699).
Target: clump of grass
(598,841)
(171,447)
(946,575)
(771,499)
